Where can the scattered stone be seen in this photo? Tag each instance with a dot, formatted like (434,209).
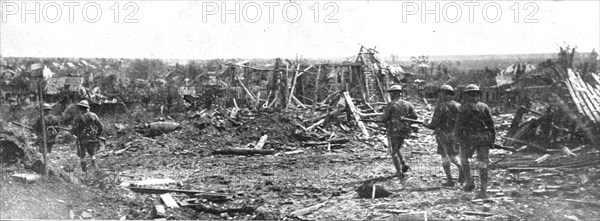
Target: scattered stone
(160,211)
(265,213)
(487,208)
(86,215)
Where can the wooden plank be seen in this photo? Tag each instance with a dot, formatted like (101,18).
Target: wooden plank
(576,81)
(594,95)
(475,213)
(161,191)
(520,132)
(590,93)
(597,78)
(26,177)
(573,96)
(588,132)
(168,200)
(243,151)
(261,142)
(361,125)
(580,101)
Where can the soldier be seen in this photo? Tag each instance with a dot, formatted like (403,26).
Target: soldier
(87,127)
(474,132)
(397,129)
(443,123)
(51,123)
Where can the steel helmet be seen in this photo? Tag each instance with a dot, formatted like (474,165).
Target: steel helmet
(395,88)
(472,88)
(83,103)
(46,106)
(447,88)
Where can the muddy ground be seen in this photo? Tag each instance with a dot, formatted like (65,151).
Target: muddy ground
(295,177)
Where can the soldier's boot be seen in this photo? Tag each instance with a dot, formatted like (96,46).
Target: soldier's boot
(483,173)
(469,186)
(449,182)
(83,166)
(397,165)
(94,165)
(405,167)
(461,176)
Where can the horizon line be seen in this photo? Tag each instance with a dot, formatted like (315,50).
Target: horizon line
(299,57)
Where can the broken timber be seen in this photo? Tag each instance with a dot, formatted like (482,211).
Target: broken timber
(350,104)
(243,151)
(308,210)
(261,142)
(162,191)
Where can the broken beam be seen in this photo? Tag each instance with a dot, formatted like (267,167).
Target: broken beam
(361,125)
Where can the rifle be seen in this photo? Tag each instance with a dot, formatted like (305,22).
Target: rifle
(29,128)
(21,125)
(103,139)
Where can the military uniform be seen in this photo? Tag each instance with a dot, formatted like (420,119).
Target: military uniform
(87,127)
(397,129)
(51,123)
(443,123)
(475,132)
(87,143)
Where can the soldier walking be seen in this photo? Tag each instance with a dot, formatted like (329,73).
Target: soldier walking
(443,124)
(87,127)
(397,129)
(51,123)
(474,132)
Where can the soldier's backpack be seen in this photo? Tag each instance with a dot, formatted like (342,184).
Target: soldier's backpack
(450,118)
(51,131)
(89,133)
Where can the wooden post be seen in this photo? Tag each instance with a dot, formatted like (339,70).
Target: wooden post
(276,83)
(295,80)
(45,147)
(245,89)
(228,91)
(316,91)
(247,81)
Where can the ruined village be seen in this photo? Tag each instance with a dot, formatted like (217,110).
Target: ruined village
(295,139)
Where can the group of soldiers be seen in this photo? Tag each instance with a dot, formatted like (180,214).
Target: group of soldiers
(460,131)
(86,127)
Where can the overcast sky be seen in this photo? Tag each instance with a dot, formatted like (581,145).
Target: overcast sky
(196,29)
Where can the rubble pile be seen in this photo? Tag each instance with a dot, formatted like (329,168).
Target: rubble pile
(299,141)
